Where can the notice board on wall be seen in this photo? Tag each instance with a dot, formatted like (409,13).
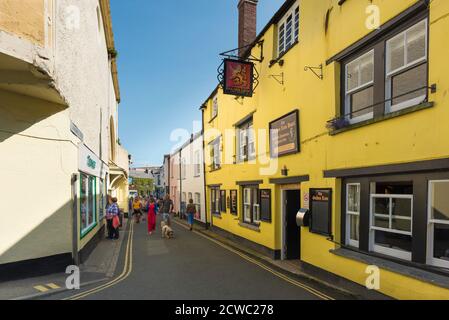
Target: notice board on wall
(321,211)
(265,205)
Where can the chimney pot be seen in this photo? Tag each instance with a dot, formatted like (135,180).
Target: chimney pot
(247,23)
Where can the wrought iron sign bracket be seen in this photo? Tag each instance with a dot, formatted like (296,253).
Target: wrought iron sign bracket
(318,71)
(233,54)
(278,77)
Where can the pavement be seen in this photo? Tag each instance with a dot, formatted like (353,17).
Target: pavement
(99,267)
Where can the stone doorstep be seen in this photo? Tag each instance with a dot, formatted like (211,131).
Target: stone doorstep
(292,268)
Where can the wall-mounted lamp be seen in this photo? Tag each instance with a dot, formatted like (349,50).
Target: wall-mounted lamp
(284,171)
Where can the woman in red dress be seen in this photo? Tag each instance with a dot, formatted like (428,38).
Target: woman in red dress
(151,217)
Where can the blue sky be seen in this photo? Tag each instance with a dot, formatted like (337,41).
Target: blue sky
(168,59)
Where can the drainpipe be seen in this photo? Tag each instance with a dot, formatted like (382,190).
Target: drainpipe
(204,167)
(75,255)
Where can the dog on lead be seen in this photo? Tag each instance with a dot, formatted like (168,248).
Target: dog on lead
(167,232)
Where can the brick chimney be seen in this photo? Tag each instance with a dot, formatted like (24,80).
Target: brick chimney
(247,23)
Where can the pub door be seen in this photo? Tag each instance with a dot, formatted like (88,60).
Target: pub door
(292,231)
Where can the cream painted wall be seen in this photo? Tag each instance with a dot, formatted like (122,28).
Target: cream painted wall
(35,192)
(194,184)
(35,198)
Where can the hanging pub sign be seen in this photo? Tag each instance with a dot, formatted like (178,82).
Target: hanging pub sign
(238,78)
(284,135)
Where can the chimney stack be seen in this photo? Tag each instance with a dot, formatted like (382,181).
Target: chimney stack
(247,23)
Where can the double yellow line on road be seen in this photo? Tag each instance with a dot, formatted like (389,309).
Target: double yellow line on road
(127,269)
(263,266)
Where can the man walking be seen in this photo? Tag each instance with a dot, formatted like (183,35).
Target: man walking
(167,208)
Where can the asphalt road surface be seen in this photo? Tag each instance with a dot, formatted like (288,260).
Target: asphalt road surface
(191,267)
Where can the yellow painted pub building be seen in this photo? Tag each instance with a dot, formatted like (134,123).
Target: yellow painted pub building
(348,122)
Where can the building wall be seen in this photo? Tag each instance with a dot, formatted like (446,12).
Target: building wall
(194,183)
(174,181)
(35,205)
(26,19)
(412,137)
(37,200)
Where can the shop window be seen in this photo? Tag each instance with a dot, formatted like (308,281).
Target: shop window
(246,147)
(87,203)
(353,214)
(438,235)
(288,30)
(251,206)
(391,212)
(223,201)
(215,201)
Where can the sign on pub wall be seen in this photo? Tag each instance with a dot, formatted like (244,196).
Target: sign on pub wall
(284,135)
(238,78)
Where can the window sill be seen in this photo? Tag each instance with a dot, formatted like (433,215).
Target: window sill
(433,277)
(216,169)
(253,227)
(217,215)
(278,59)
(422,106)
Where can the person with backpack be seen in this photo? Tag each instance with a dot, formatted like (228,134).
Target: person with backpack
(190,211)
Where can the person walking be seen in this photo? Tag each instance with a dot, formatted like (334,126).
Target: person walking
(152,212)
(167,208)
(190,211)
(109,218)
(137,208)
(112,216)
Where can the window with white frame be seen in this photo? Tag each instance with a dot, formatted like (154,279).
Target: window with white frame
(214,111)
(246,144)
(288,29)
(197,202)
(391,212)
(197,165)
(251,206)
(359,92)
(215,201)
(88,206)
(352,214)
(438,229)
(406,67)
(215,154)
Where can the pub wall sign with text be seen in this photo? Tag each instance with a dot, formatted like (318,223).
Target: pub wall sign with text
(287,128)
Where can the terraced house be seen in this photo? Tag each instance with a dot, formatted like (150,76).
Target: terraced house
(347,122)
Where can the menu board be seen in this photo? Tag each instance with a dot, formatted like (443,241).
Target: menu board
(265,205)
(233,195)
(284,135)
(321,211)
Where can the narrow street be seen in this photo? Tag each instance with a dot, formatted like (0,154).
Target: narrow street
(191,267)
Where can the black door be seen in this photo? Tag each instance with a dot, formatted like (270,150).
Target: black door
(292,231)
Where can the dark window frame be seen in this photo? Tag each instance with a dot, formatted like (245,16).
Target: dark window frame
(420,213)
(380,79)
